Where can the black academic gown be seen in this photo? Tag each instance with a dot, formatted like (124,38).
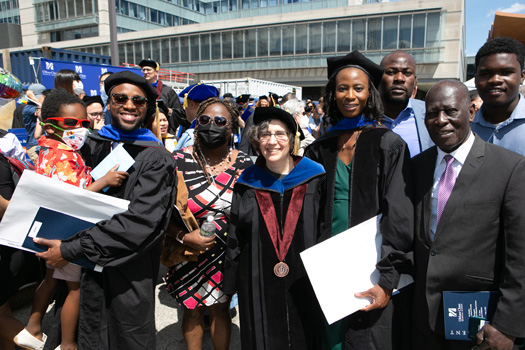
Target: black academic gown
(380,184)
(275,312)
(117,306)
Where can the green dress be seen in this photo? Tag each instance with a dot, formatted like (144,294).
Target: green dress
(335,333)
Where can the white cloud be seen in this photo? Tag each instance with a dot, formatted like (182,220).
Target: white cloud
(514,8)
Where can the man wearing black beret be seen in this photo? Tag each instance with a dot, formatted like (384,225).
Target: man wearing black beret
(117,305)
(176,116)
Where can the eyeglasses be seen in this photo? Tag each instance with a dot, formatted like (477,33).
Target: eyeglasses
(96,114)
(122,99)
(280,136)
(217,120)
(71,122)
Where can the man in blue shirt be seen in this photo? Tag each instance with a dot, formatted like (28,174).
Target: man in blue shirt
(193,95)
(403,115)
(499,74)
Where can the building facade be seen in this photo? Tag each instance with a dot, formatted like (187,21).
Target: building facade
(286,41)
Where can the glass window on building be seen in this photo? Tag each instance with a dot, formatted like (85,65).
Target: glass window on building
(138,52)
(358,34)
(39,11)
(226,45)
(238,44)
(288,40)
(418,30)
(215,46)
(133,10)
(185,49)
(142,12)
(174,46)
(122,53)
(154,16)
(374,34)
(405,31)
(390,33)
(245,4)
(329,36)
(165,48)
(262,42)
(156,51)
(130,53)
(233,5)
(79,4)
(433,33)
(315,37)
(344,31)
(250,42)
(71,8)
(62,9)
(124,7)
(301,39)
(89,7)
(146,50)
(194,48)
(205,47)
(275,41)
(51,7)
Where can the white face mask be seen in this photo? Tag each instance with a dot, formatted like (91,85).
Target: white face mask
(78,87)
(75,138)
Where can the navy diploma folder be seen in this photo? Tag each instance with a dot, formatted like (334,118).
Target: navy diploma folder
(459,307)
(51,224)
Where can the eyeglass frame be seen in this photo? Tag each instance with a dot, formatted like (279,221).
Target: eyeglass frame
(133,100)
(213,120)
(269,136)
(63,119)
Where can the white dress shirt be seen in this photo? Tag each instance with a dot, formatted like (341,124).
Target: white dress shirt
(460,155)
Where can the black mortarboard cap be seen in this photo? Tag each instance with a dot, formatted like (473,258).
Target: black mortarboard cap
(358,60)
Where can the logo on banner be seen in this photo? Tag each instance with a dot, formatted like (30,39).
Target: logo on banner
(78,69)
(103,70)
(93,92)
(49,65)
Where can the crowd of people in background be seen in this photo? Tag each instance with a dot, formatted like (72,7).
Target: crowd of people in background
(277,175)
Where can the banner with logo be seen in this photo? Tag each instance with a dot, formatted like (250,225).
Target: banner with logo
(89,73)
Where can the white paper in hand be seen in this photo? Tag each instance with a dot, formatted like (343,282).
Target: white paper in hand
(118,156)
(344,265)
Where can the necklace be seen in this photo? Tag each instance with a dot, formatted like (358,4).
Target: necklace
(219,167)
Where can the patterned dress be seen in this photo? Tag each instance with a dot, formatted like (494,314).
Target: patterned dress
(199,283)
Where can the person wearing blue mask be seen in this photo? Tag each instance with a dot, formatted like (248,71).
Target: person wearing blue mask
(193,96)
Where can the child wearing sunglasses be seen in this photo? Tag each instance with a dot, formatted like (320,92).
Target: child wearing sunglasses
(65,122)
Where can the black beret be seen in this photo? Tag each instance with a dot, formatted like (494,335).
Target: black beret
(358,60)
(163,108)
(88,100)
(149,63)
(131,78)
(268,113)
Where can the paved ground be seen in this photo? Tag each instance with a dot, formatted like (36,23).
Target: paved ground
(168,320)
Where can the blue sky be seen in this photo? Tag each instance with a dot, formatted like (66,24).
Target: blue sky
(479,18)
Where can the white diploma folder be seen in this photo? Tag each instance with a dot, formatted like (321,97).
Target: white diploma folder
(34,191)
(344,265)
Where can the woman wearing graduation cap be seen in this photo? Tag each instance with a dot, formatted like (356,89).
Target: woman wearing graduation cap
(366,167)
(275,215)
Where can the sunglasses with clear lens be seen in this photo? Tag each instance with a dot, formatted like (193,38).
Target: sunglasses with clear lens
(217,120)
(72,122)
(121,99)
(280,136)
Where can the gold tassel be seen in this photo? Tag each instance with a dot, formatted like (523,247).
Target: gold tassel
(157,131)
(185,103)
(296,141)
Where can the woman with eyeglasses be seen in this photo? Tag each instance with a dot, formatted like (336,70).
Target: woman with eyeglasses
(367,168)
(95,111)
(276,214)
(209,169)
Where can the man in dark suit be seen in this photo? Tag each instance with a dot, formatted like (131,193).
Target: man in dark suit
(469,224)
